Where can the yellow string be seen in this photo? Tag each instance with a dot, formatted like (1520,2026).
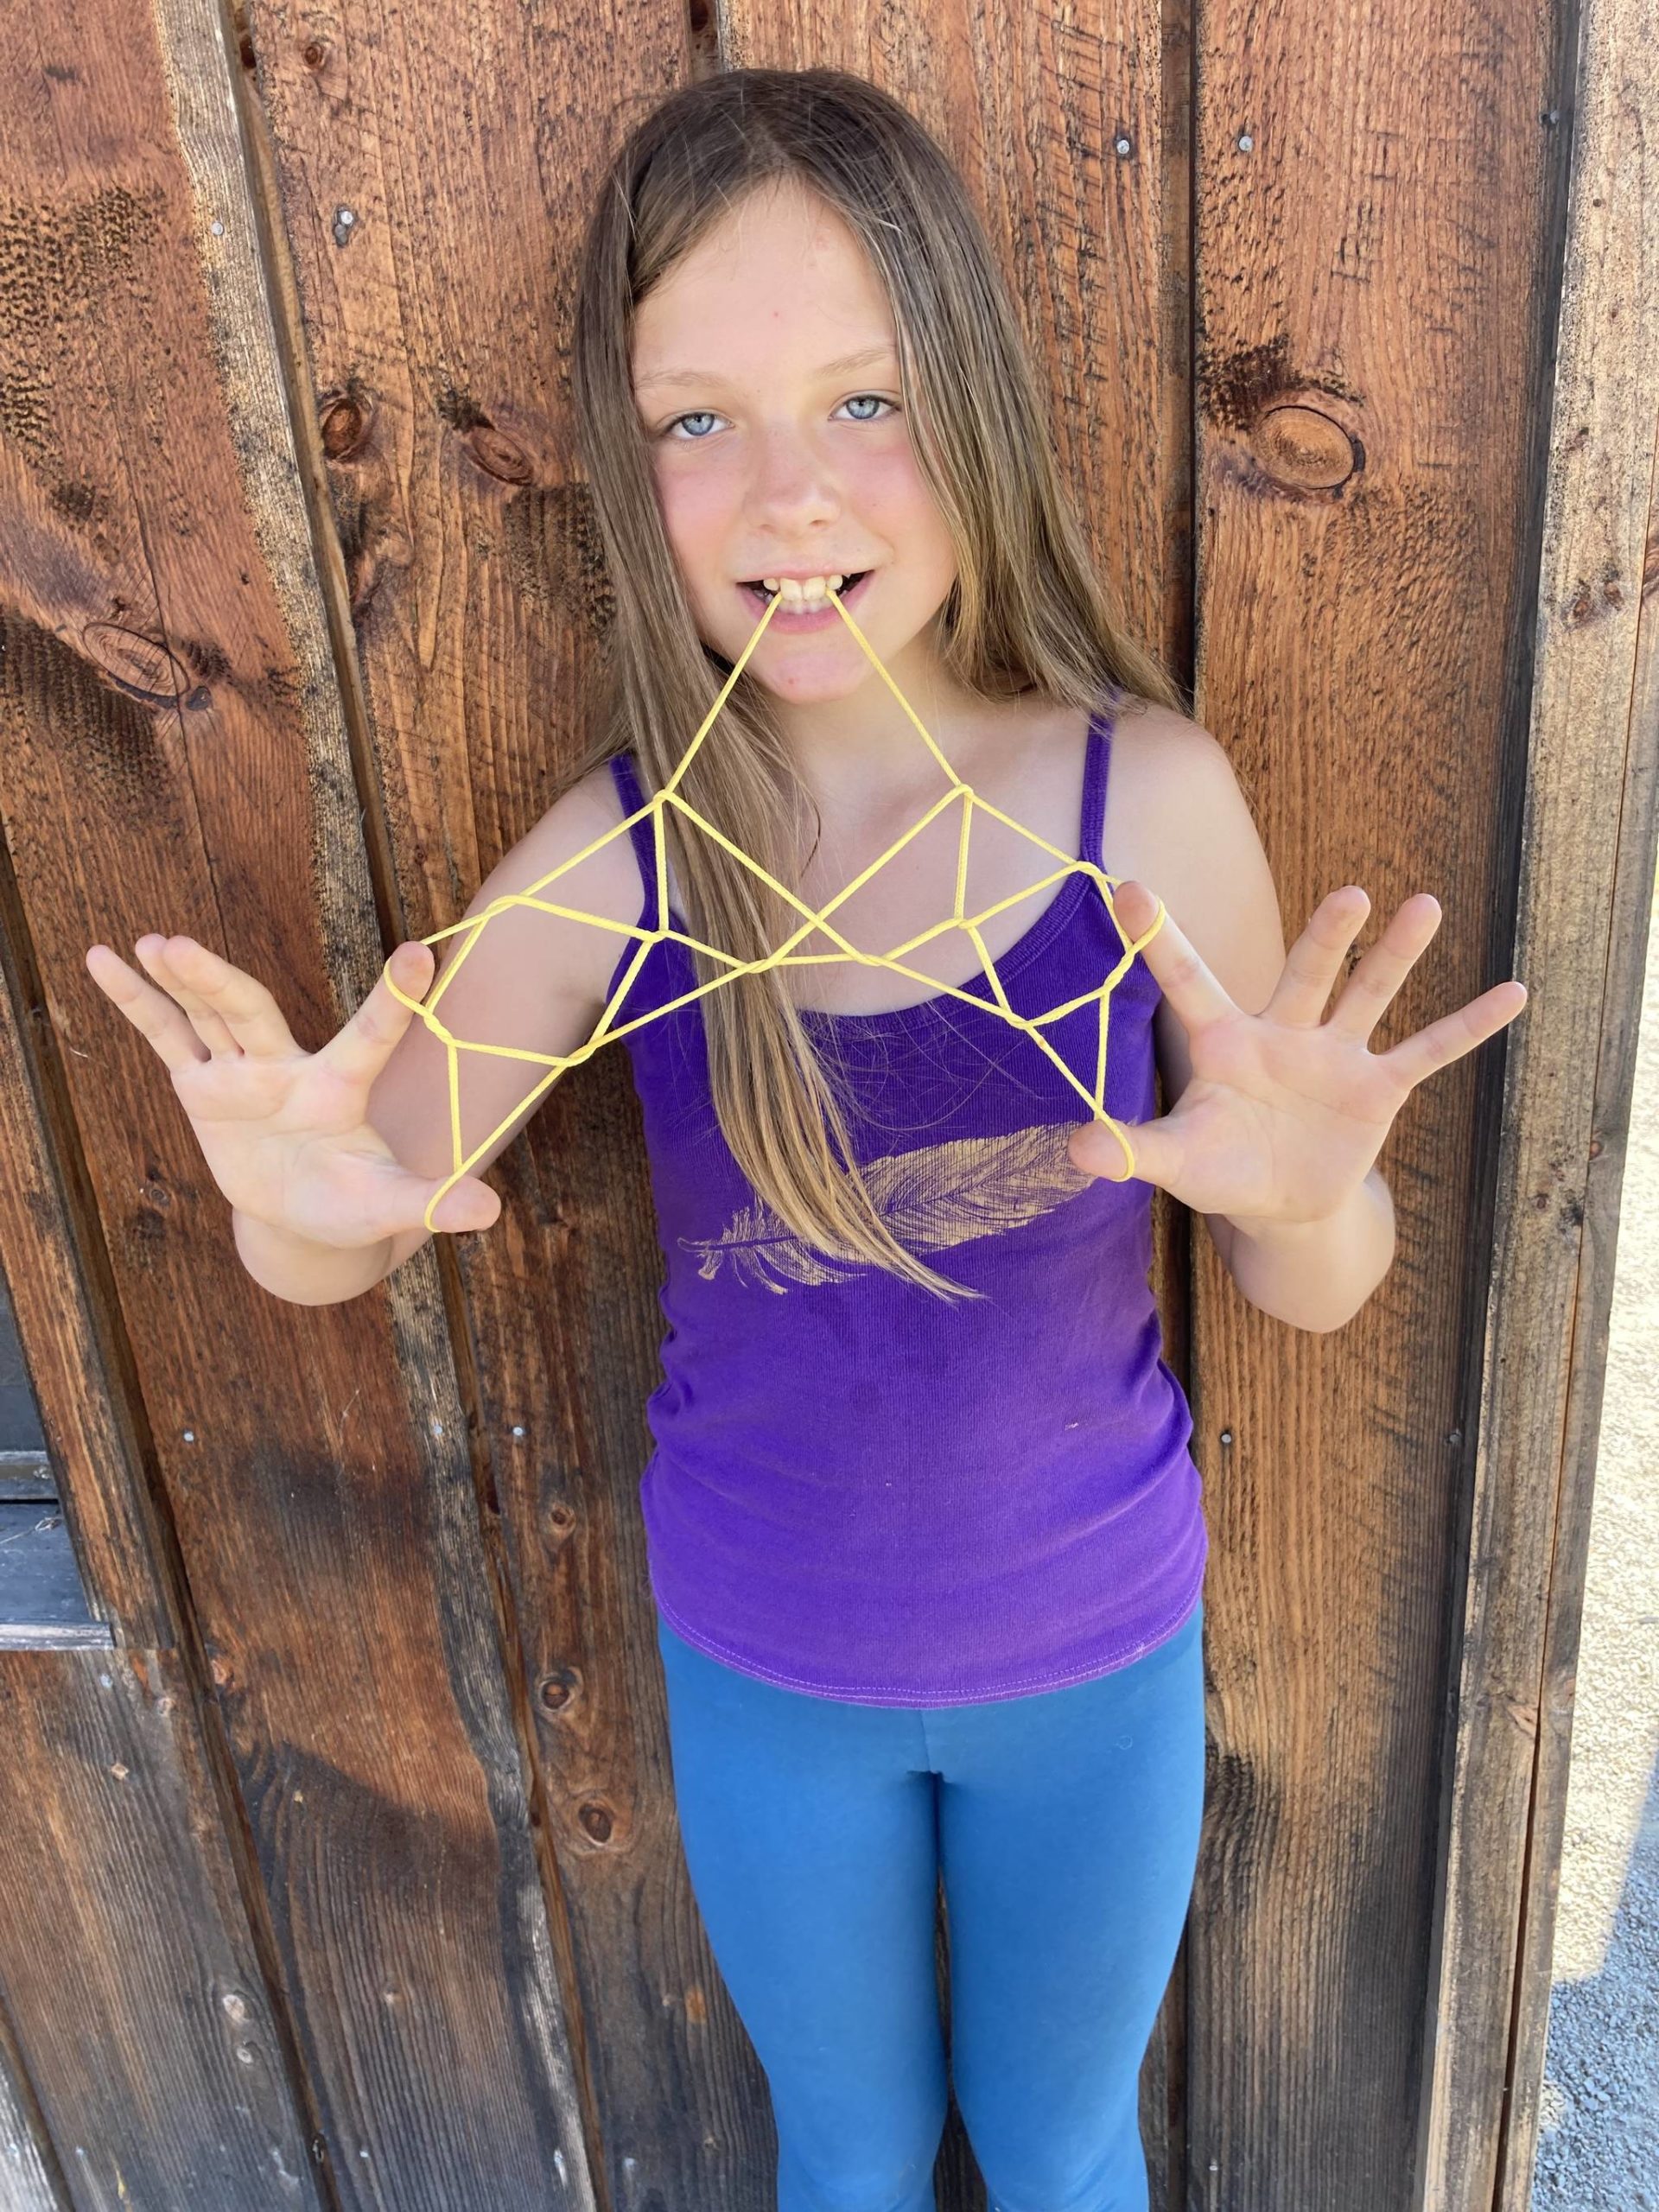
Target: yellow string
(603,1033)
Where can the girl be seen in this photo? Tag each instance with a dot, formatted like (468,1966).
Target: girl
(925,1534)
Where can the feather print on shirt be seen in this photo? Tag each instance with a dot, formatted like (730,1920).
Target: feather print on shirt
(941,1195)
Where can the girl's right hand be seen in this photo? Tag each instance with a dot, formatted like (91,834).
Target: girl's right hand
(285,1132)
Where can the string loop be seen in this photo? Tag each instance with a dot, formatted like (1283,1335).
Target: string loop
(603,1033)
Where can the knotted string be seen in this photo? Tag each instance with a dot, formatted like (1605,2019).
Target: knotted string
(603,1032)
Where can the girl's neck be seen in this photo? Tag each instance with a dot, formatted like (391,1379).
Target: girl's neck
(852,751)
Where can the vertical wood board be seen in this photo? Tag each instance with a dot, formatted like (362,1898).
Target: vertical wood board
(1589,823)
(437,322)
(129,1976)
(1371,197)
(175,757)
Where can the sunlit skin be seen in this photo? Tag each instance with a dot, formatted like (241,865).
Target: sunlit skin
(771,461)
(1286,1110)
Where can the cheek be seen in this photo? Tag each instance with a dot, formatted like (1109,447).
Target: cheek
(891,492)
(696,509)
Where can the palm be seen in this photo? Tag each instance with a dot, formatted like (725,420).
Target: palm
(285,1133)
(1286,1110)
(1273,1122)
(286,1137)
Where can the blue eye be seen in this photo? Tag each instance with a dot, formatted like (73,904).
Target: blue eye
(708,415)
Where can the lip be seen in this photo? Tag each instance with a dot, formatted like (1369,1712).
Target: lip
(815,618)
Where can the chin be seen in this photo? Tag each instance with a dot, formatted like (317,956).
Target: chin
(814,687)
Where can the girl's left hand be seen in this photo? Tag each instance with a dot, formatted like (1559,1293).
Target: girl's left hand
(1285,1111)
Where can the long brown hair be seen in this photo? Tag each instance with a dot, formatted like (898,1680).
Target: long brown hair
(1028,609)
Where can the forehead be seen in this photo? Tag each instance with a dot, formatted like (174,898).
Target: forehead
(780,283)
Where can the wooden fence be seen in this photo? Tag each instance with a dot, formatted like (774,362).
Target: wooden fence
(341,1863)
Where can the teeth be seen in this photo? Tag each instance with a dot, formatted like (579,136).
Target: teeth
(795,592)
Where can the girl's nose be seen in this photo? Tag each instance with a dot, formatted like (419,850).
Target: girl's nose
(792,480)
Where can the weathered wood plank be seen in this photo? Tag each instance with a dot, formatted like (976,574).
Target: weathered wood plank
(1372,202)
(436,324)
(30,2178)
(58,1284)
(1589,831)
(128,1974)
(175,755)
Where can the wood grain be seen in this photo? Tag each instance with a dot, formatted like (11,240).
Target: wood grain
(133,1986)
(30,2178)
(436,328)
(59,1281)
(1372,204)
(175,755)
(1589,830)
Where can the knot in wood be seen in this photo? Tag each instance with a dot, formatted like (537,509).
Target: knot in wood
(500,456)
(1302,446)
(344,425)
(556,1690)
(596,1822)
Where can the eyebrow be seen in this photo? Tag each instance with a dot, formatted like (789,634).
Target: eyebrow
(861,360)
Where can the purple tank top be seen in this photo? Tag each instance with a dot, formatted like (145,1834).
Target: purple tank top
(863,1492)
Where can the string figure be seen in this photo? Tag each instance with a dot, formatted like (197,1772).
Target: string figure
(605,1029)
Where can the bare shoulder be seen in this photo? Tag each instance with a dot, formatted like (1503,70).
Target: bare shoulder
(1164,766)
(603,881)
(531,965)
(1178,821)
(591,809)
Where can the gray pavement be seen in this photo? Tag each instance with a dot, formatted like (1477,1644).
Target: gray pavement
(1598,2144)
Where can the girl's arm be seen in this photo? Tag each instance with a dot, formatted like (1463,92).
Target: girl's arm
(1314,1274)
(534,982)
(301,1271)
(1215,879)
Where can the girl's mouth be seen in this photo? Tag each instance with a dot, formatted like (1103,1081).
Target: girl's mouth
(818,615)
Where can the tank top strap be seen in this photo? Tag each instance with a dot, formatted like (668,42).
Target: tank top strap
(1098,761)
(626,777)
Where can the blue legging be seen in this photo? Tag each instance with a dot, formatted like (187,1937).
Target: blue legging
(1066,1826)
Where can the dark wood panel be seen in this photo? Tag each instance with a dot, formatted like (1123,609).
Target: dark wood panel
(175,755)
(1588,820)
(1371,283)
(72,1434)
(436,325)
(127,1972)
(30,2178)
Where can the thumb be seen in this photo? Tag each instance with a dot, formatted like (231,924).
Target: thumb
(466,1205)
(365,1044)
(1094,1147)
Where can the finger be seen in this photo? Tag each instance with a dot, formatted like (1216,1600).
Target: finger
(151,1012)
(1454,1034)
(363,1045)
(466,1205)
(1129,1150)
(1314,962)
(231,1011)
(1371,990)
(208,1025)
(1187,983)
